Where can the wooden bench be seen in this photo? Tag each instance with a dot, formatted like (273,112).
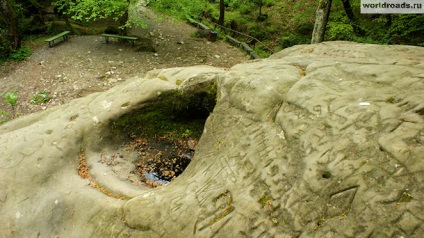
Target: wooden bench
(52,39)
(130,38)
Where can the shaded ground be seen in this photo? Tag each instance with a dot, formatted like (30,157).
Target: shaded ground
(162,159)
(85,64)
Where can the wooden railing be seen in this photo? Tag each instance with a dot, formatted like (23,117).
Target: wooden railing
(231,39)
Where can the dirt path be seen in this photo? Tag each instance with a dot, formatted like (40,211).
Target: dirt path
(85,64)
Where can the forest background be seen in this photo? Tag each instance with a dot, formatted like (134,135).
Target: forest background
(276,24)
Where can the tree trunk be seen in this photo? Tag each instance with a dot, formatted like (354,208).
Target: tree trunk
(63,13)
(221,12)
(123,22)
(124,19)
(12,24)
(260,8)
(354,22)
(68,24)
(321,19)
(389,20)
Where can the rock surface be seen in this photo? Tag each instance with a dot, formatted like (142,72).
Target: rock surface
(321,140)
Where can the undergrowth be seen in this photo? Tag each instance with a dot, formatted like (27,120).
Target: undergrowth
(281,24)
(17,55)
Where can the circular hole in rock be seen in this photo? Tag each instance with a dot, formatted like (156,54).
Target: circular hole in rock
(164,133)
(326,174)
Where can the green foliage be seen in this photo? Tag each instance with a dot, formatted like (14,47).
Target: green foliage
(301,11)
(18,19)
(89,10)
(261,52)
(20,54)
(394,29)
(339,27)
(379,29)
(182,114)
(292,39)
(14,55)
(41,97)
(4,116)
(339,31)
(246,9)
(92,10)
(179,8)
(11,98)
(187,133)
(264,200)
(406,28)
(283,23)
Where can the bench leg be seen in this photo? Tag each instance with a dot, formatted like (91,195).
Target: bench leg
(107,40)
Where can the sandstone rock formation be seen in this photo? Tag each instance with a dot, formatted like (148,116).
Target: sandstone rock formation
(321,140)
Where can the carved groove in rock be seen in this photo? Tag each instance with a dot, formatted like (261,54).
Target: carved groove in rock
(340,203)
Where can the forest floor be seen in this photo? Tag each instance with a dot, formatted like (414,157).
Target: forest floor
(86,64)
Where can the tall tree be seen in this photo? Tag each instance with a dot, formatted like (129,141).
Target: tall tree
(353,20)
(221,12)
(10,19)
(260,3)
(321,19)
